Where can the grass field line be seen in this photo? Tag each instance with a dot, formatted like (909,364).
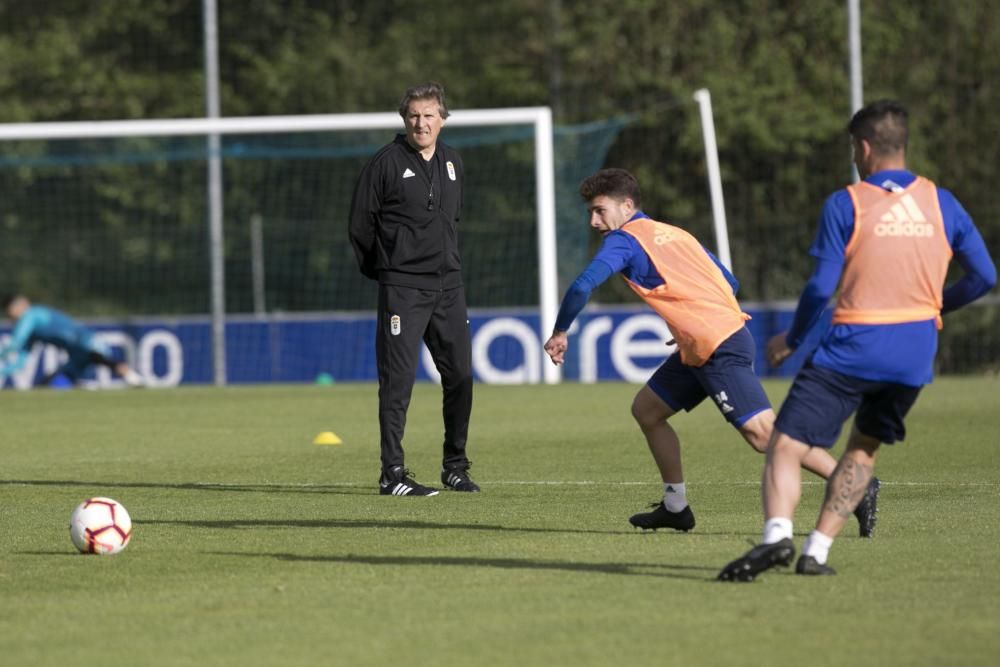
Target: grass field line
(575,482)
(732,483)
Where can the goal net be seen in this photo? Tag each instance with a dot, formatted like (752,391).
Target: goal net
(110,222)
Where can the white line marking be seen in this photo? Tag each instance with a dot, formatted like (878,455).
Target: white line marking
(568,482)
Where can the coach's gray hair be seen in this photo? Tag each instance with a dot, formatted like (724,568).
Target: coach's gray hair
(430,90)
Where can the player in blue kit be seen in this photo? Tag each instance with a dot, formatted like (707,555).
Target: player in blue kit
(696,296)
(41,324)
(885,243)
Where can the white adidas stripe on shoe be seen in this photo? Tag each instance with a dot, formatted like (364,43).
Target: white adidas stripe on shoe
(458,480)
(399,483)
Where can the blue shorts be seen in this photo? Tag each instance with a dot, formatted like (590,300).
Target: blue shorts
(728,377)
(821,400)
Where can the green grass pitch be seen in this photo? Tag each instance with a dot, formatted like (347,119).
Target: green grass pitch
(252,546)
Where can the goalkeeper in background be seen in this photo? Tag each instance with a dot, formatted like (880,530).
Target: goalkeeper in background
(41,324)
(695,295)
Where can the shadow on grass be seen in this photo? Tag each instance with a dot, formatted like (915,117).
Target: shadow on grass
(628,569)
(345,489)
(386,522)
(365,523)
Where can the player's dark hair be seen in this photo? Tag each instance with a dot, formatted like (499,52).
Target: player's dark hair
(614,183)
(883,124)
(7,300)
(430,90)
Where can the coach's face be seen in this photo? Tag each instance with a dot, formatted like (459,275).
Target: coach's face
(608,214)
(423,125)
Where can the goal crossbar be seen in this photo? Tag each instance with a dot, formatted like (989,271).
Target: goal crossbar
(257,124)
(538,117)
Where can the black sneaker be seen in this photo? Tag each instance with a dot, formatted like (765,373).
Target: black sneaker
(661,517)
(868,508)
(457,479)
(762,557)
(397,482)
(809,565)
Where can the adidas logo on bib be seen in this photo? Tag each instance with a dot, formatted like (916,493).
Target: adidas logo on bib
(904,219)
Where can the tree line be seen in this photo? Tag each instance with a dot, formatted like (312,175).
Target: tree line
(777,71)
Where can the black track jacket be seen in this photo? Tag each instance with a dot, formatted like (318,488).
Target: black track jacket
(404,217)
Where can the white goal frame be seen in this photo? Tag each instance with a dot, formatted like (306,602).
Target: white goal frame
(540,118)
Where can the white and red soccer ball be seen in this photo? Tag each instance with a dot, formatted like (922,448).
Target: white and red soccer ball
(100,526)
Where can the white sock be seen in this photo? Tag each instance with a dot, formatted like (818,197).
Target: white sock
(818,546)
(674,497)
(777,529)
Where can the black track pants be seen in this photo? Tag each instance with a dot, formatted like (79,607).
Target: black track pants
(405,317)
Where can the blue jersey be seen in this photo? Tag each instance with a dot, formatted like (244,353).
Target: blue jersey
(874,352)
(41,324)
(620,253)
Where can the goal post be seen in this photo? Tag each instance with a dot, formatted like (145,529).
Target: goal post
(704,99)
(539,119)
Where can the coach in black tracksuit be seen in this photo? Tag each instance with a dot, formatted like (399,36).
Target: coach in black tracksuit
(403,226)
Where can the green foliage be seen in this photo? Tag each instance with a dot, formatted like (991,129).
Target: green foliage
(777,71)
(77,60)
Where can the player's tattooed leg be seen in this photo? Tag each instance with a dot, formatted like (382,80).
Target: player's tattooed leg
(846,487)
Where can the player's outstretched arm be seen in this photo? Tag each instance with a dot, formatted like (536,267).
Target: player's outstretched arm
(573,302)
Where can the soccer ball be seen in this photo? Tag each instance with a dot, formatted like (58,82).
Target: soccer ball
(100,526)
